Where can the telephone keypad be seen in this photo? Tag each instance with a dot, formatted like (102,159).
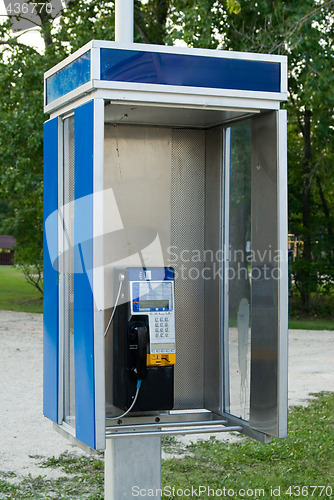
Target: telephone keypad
(162,326)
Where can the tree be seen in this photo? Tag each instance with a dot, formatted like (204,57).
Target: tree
(21,143)
(311,107)
(22,117)
(301,29)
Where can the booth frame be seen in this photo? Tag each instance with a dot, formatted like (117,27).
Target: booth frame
(136,103)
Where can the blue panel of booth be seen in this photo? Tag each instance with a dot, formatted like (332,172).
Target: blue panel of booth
(50,275)
(83,282)
(68,78)
(189,70)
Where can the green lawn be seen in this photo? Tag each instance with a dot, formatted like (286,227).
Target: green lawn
(304,459)
(16,294)
(300,466)
(311,324)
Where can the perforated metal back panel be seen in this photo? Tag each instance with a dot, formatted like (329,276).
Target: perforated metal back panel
(187,240)
(67,278)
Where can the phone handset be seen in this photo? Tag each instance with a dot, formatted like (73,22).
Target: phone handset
(139,335)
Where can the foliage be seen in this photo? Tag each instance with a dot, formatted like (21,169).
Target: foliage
(311,137)
(301,29)
(83,21)
(304,458)
(21,118)
(321,313)
(21,115)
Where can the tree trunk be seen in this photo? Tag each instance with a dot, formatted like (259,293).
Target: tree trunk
(46,25)
(325,208)
(306,211)
(154,32)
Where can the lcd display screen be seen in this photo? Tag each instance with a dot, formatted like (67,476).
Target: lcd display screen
(152,296)
(149,304)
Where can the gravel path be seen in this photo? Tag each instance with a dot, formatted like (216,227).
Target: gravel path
(27,438)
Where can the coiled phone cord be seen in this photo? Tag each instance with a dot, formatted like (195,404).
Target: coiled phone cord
(132,404)
(121,279)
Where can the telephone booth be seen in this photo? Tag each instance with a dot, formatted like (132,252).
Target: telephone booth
(165,257)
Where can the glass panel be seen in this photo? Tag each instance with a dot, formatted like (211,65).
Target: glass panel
(67,277)
(239,271)
(267,363)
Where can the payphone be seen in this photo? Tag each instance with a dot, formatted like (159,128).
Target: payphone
(144,341)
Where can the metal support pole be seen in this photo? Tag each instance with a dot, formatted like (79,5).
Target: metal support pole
(124,15)
(132,465)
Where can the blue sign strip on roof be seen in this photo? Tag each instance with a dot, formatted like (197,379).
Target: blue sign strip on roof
(189,70)
(68,78)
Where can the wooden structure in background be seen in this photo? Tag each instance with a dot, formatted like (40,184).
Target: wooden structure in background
(7,244)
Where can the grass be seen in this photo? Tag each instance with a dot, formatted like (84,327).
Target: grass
(304,459)
(16,294)
(311,324)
